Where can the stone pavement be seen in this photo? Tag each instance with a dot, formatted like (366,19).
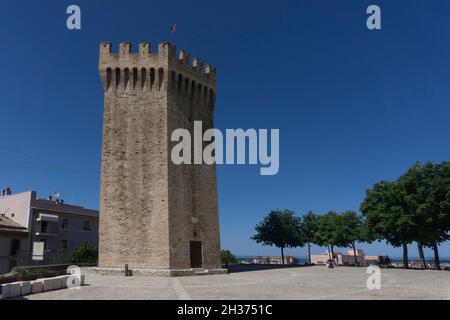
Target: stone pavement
(273,283)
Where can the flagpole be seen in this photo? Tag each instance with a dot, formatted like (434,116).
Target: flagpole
(173,29)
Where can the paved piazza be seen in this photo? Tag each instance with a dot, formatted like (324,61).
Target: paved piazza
(276,283)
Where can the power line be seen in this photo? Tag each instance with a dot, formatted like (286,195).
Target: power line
(49,165)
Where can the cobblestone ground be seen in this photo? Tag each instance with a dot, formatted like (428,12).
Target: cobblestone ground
(276,283)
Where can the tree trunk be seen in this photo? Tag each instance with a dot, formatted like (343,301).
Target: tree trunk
(309,252)
(332,255)
(354,255)
(422,256)
(405,256)
(282,255)
(329,251)
(436,256)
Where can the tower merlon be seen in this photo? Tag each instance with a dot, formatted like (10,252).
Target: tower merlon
(105,49)
(144,48)
(124,48)
(197,64)
(210,71)
(183,57)
(167,49)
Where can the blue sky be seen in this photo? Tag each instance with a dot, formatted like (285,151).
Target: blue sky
(353,106)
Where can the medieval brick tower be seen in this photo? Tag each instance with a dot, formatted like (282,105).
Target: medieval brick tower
(155,215)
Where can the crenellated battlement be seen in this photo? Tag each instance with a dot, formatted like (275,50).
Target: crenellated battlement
(126,67)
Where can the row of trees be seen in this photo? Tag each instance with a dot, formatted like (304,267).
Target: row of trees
(413,208)
(284,229)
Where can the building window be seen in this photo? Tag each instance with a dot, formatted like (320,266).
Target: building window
(63,245)
(44,226)
(15,246)
(87,226)
(65,223)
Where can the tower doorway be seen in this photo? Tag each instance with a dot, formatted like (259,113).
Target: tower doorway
(196,254)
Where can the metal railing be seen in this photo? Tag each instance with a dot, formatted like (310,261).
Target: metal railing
(7,263)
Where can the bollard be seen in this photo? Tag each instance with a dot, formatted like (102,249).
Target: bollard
(126,270)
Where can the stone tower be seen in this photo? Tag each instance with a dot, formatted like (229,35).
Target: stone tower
(155,216)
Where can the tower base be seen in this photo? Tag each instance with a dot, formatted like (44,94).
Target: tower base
(157,272)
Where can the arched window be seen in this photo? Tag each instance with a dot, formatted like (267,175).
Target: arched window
(143,77)
(180,83)
(152,78)
(108,78)
(173,79)
(199,93)
(160,77)
(192,97)
(211,98)
(205,94)
(117,75)
(186,86)
(135,77)
(126,77)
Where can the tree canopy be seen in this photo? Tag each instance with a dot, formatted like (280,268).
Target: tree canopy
(413,208)
(281,229)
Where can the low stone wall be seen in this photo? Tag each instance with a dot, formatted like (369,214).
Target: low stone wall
(23,288)
(157,272)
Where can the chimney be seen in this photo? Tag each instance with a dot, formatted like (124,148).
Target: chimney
(62,201)
(50,198)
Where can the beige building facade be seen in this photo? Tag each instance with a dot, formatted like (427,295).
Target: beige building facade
(345,259)
(155,215)
(25,218)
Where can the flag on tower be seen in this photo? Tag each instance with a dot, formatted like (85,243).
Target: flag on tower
(173,28)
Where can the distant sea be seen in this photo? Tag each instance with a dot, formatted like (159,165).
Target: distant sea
(302,260)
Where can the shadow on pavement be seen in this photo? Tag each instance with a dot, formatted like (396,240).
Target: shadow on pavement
(234,268)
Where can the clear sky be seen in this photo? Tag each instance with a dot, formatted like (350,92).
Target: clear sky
(353,106)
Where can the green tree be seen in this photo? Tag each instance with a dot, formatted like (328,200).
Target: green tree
(326,234)
(309,228)
(427,197)
(281,229)
(350,229)
(85,253)
(387,215)
(227,257)
(415,183)
(438,203)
